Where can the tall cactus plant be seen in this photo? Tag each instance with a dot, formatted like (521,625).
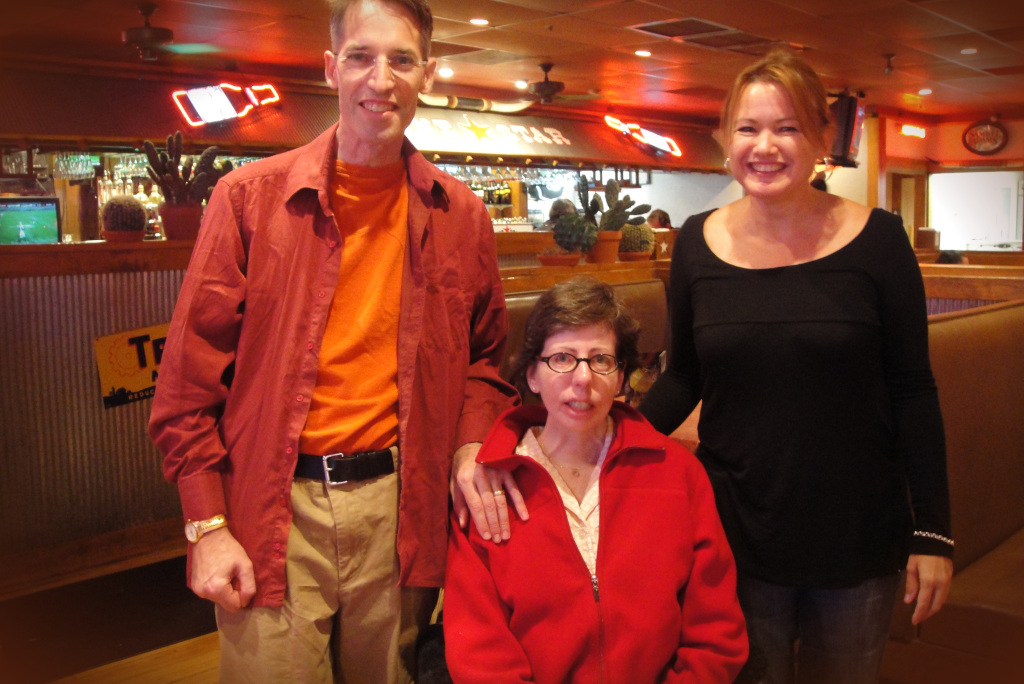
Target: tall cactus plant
(615,211)
(183,183)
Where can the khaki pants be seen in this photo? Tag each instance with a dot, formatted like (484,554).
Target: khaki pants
(344,618)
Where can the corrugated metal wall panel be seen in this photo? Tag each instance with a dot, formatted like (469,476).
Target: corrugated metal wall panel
(69,468)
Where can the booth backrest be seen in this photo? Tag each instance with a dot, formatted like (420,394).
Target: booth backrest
(645,299)
(978,360)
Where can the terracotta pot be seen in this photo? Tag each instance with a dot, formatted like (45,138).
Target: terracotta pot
(606,251)
(181,221)
(558,259)
(122,235)
(634,256)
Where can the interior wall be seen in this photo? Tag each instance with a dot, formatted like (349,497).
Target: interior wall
(943,142)
(685,194)
(852,183)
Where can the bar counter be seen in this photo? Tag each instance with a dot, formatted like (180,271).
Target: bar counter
(72,470)
(82,258)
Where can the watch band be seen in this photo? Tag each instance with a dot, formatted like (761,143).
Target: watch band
(195,529)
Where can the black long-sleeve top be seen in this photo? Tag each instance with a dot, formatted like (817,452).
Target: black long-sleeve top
(820,410)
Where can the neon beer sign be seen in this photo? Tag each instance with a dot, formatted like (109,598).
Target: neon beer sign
(210,104)
(645,137)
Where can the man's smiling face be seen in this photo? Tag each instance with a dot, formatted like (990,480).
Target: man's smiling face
(376,105)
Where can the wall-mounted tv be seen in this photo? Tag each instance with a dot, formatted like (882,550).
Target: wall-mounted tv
(848,119)
(29,220)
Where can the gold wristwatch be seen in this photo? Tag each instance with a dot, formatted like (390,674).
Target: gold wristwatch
(195,529)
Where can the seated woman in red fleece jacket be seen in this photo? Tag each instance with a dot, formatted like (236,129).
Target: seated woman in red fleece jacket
(622,572)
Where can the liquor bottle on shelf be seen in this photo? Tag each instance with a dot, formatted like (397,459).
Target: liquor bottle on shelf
(108,188)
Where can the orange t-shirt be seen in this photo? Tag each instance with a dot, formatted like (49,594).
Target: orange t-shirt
(355,403)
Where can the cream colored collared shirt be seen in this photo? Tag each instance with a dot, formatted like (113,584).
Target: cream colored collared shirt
(584,516)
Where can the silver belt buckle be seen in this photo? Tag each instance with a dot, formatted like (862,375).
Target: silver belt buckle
(327,470)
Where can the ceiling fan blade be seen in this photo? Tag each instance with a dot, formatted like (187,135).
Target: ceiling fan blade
(191,48)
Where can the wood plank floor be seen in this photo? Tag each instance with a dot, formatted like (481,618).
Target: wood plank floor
(193,661)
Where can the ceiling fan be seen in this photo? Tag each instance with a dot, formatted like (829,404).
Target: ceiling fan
(148,40)
(151,41)
(548,91)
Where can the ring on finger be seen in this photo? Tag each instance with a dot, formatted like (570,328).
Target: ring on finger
(499,492)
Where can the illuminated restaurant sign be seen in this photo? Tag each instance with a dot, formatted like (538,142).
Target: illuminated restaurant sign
(460,134)
(645,137)
(476,133)
(210,104)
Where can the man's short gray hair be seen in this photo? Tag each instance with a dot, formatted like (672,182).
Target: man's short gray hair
(419,9)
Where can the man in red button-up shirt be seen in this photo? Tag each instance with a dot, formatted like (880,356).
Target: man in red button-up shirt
(243,360)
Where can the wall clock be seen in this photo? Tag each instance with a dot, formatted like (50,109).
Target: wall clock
(985,137)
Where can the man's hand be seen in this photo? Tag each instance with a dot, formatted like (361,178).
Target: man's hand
(221,571)
(929,579)
(480,492)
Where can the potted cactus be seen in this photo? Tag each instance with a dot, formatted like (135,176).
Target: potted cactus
(574,236)
(637,242)
(615,211)
(124,219)
(184,185)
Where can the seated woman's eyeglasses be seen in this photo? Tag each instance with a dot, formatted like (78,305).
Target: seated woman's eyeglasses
(563,362)
(360,62)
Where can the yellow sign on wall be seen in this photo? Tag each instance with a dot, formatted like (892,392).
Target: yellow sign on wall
(128,363)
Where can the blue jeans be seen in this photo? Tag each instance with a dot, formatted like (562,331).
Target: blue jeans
(816,636)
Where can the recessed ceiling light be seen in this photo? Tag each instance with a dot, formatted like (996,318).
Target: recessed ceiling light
(522,85)
(642,53)
(924,91)
(445,72)
(969,51)
(479,22)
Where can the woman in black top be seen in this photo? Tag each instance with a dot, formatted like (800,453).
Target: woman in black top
(799,318)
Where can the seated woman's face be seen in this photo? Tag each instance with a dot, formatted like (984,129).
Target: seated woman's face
(577,401)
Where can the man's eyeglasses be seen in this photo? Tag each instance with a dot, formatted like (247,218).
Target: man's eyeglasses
(564,362)
(360,63)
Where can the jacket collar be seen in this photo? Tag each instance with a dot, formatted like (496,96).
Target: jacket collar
(631,432)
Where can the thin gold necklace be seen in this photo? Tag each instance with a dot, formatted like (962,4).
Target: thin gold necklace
(577,471)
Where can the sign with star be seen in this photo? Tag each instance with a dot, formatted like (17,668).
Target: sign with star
(449,131)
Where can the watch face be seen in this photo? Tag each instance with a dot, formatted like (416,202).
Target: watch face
(191,533)
(985,137)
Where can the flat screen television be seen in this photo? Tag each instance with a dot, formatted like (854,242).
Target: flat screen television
(29,221)
(848,118)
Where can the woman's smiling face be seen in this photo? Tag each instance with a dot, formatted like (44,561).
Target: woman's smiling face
(769,153)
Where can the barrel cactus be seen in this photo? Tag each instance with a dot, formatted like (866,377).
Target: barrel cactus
(123,213)
(637,238)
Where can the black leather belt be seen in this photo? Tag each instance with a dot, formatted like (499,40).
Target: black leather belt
(336,469)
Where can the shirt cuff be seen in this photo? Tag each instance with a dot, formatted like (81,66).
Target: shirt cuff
(202,495)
